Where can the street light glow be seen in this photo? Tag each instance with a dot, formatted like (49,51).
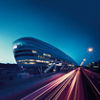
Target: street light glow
(84,59)
(90,49)
(83,62)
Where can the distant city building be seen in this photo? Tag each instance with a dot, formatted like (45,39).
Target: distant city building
(33,53)
(94,66)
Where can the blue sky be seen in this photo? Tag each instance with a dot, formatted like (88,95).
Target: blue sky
(71,27)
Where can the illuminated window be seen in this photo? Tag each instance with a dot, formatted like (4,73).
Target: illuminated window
(29,63)
(31,60)
(46,54)
(33,51)
(60,64)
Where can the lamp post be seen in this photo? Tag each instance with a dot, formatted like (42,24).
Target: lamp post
(90,50)
(82,62)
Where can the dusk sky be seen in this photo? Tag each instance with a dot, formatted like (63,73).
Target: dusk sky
(70,25)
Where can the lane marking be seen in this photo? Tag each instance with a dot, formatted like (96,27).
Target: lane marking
(91,83)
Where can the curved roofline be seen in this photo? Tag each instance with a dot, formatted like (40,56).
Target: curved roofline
(32,38)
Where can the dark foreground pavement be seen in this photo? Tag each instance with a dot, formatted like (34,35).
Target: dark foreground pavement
(79,84)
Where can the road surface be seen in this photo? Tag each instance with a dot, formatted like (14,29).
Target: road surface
(79,84)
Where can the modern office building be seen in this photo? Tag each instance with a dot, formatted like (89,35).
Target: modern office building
(34,54)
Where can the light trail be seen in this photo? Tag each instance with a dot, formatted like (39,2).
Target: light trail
(72,87)
(68,87)
(50,97)
(47,87)
(59,93)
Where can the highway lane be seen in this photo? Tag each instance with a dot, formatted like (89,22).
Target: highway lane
(40,93)
(75,85)
(93,82)
(94,78)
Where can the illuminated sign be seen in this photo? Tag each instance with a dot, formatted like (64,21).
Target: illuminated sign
(95,66)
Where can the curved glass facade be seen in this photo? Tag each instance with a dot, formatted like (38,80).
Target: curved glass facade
(31,52)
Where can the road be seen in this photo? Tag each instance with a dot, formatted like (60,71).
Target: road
(78,84)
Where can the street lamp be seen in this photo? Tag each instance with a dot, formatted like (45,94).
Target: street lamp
(84,59)
(90,49)
(83,62)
